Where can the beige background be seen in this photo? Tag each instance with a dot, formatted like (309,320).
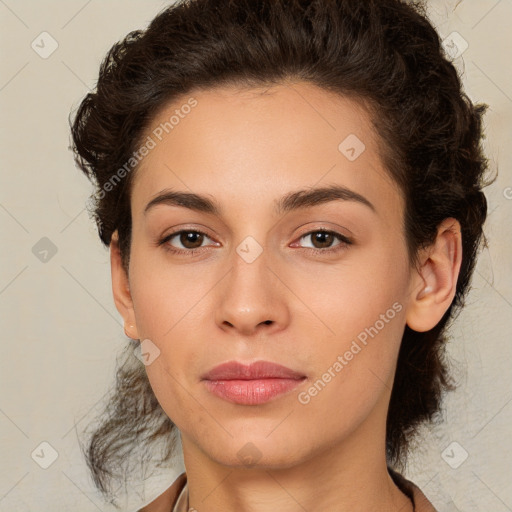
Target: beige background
(61,331)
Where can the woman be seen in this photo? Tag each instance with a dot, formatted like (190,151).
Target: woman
(291,192)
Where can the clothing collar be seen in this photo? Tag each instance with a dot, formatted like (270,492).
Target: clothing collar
(419,500)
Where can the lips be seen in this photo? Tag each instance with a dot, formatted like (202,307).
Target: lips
(233,370)
(253,384)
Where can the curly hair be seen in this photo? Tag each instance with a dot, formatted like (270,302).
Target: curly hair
(385,54)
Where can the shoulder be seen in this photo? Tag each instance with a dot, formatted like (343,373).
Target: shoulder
(166,501)
(421,503)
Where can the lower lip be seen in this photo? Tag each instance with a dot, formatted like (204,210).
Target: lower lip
(251,392)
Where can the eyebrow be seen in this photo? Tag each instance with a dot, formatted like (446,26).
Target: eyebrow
(304,198)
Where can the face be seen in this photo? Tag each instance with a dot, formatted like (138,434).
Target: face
(258,279)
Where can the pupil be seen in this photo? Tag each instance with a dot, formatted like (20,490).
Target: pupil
(188,237)
(319,238)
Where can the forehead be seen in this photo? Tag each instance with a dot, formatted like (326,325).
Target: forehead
(256,144)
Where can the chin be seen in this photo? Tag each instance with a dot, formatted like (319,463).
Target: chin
(254,452)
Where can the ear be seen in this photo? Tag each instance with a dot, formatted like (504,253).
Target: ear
(121,289)
(433,287)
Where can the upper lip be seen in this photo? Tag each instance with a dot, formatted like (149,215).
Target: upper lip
(258,370)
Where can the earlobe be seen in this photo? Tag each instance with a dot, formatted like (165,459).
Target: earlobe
(121,289)
(435,285)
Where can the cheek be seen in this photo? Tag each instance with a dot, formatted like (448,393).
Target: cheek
(354,369)
(164,294)
(362,310)
(171,392)
(166,302)
(343,300)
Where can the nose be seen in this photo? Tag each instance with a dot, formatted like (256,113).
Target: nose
(252,299)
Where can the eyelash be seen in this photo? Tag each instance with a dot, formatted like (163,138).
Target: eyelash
(344,242)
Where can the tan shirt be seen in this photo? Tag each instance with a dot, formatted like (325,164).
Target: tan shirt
(175,498)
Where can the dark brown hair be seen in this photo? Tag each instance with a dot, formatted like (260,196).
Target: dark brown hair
(384,53)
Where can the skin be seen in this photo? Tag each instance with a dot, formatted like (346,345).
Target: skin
(289,306)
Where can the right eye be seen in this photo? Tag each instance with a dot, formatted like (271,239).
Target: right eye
(187,237)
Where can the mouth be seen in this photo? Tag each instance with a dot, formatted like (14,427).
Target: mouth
(252,384)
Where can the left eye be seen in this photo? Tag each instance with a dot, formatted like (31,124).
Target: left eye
(325,238)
